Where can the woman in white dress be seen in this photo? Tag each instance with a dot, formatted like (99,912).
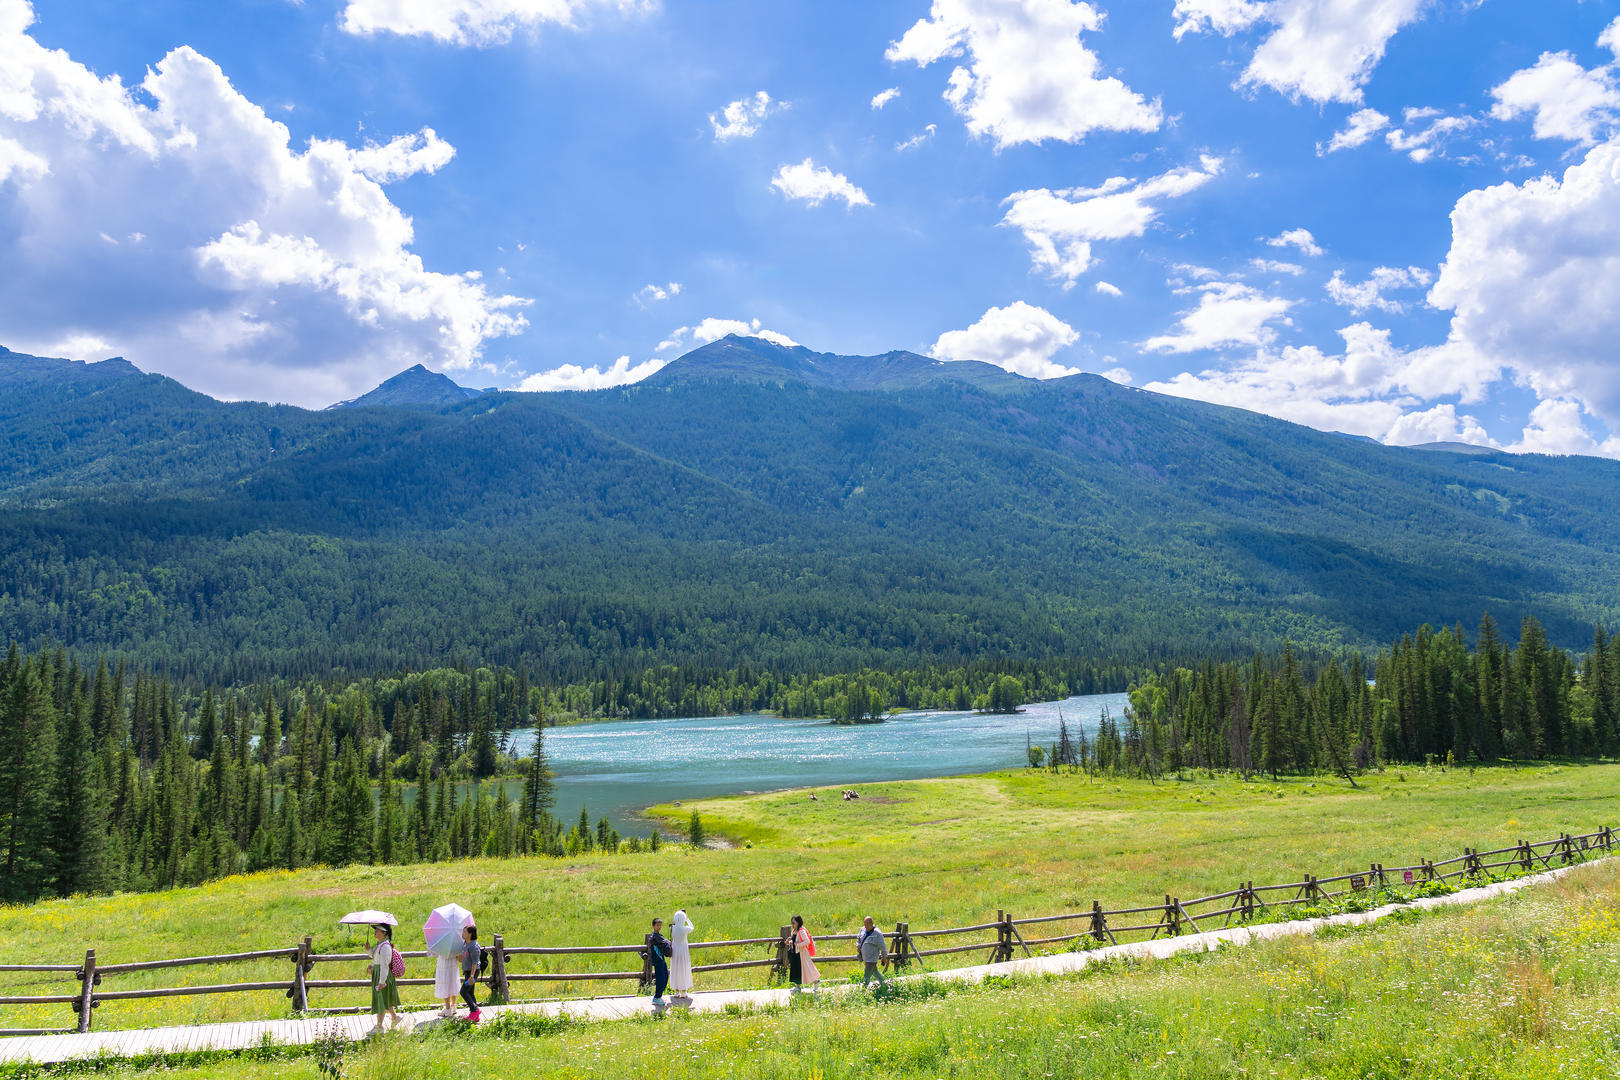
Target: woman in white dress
(446,983)
(680,962)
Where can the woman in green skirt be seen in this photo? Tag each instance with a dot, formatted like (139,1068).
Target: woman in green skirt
(384,987)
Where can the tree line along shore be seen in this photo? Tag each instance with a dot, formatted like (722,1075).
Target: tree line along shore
(117,780)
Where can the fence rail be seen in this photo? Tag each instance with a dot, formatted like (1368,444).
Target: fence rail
(1174,916)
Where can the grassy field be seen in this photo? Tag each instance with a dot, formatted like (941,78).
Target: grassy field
(940,852)
(1526,987)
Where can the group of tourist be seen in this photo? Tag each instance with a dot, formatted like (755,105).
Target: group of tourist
(670,958)
(449,974)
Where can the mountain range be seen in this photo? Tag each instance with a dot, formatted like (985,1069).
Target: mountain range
(754,505)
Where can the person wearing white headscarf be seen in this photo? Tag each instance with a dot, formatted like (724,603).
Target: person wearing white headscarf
(680,962)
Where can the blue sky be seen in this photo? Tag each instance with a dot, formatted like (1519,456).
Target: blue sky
(1399,218)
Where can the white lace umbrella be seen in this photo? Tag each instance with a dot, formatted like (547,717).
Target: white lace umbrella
(368,918)
(443,930)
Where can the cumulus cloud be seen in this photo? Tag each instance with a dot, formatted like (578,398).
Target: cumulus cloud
(1533,281)
(1360,391)
(1228,313)
(1019,337)
(1105,288)
(649,294)
(741,119)
(1060,226)
(807,183)
(1425,133)
(1025,76)
(1610,38)
(1558,426)
(712,329)
(1323,50)
(405,155)
(1369,294)
(1297,238)
(576,377)
(182,227)
(1364,124)
(883,97)
(1566,100)
(470,22)
(916,140)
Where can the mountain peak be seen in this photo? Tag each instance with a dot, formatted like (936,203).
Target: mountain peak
(734,358)
(415,387)
(17,368)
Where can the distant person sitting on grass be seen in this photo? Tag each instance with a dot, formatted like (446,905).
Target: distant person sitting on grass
(874,951)
(471,954)
(656,951)
(384,984)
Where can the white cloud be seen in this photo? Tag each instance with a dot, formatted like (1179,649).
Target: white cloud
(261,270)
(741,119)
(1225,17)
(1360,392)
(1610,38)
(1567,101)
(648,294)
(813,185)
(16,160)
(1060,226)
(1364,124)
(1558,426)
(1533,281)
(1107,289)
(403,156)
(575,377)
(1324,50)
(883,97)
(1426,141)
(916,140)
(1228,313)
(1019,337)
(1370,293)
(470,22)
(1297,238)
(1120,375)
(712,329)
(1273,266)
(1027,76)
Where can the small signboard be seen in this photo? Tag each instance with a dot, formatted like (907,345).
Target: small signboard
(1406,877)
(1358,883)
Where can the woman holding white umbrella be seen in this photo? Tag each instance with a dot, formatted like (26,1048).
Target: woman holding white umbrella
(680,964)
(443,933)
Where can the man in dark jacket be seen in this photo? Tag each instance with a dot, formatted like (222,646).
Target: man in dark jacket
(657,949)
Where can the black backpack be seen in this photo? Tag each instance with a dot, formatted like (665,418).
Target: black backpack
(483,961)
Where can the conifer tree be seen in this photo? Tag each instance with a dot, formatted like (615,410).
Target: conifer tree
(27,765)
(80,840)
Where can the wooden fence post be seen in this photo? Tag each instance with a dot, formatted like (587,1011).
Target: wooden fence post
(499,991)
(1003,937)
(87,994)
(900,946)
(301,963)
(780,967)
(1525,856)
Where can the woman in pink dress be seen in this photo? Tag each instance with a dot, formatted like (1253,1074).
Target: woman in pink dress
(804,951)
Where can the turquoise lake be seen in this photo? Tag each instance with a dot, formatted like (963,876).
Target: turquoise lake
(618,768)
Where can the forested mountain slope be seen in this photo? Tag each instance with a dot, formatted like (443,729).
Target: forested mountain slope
(756,505)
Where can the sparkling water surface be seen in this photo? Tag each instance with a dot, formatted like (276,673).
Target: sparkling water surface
(618,768)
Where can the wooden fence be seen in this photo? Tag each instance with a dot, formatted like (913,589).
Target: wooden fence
(906,946)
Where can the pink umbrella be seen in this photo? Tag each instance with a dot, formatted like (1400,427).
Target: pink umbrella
(443,930)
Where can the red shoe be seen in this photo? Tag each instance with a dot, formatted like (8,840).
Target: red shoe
(474,1016)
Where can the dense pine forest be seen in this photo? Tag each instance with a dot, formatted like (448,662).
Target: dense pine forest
(113,779)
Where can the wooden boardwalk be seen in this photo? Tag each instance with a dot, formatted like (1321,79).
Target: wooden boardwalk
(45,1049)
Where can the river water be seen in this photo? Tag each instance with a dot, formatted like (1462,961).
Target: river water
(617,768)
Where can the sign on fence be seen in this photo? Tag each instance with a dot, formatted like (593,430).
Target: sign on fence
(1358,884)
(1406,877)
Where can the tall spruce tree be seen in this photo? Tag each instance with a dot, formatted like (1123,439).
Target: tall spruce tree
(80,829)
(27,767)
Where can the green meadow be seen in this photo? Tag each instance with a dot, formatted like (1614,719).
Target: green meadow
(933,853)
(1522,988)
